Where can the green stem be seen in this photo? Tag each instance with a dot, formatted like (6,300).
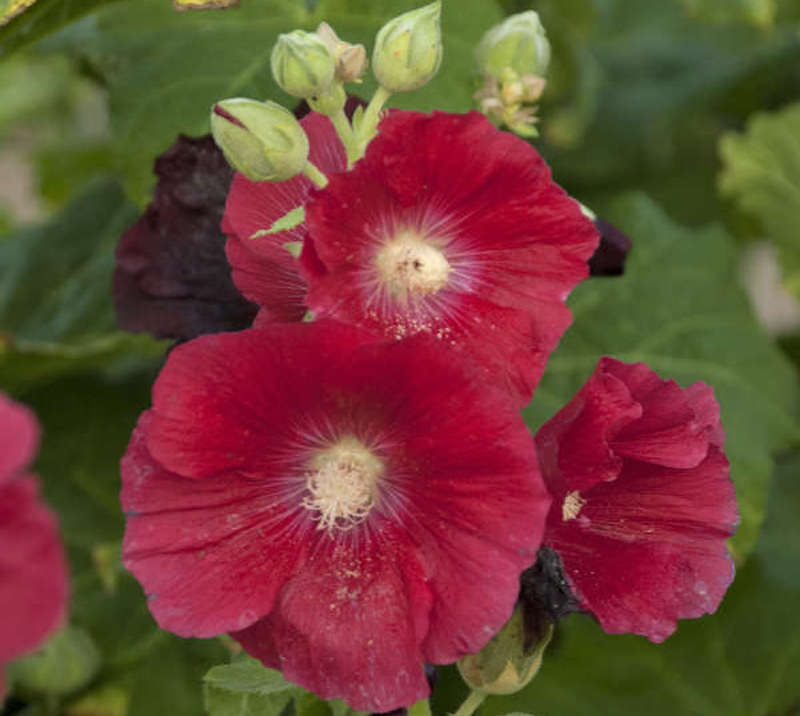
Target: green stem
(420,708)
(471,704)
(369,122)
(346,134)
(315,175)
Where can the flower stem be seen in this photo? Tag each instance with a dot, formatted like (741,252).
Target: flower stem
(471,704)
(420,708)
(346,134)
(369,122)
(315,175)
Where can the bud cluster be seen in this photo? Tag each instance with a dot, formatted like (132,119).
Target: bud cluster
(513,59)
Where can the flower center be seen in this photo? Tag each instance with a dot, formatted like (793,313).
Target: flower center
(410,266)
(573,503)
(341,484)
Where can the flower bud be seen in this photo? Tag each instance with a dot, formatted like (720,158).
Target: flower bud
(408,49)
(508,662)
(519,43)
(262,140)
(351,60)
(302,64)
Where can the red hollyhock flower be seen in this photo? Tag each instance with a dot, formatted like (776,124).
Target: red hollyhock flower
(33,574)
(450,227)
(263,270)
(643,502)
(347,508)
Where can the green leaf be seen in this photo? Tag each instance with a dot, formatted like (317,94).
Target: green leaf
(246,688)
(679,309)
(164,70)
(289,220)
(44,18)
(760,13)
(762,172)
(56,314)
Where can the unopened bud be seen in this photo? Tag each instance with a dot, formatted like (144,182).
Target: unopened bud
(262,140)
(408,49)
(508,662)
(65,663)
(518,43)
(350,60)
(302,64)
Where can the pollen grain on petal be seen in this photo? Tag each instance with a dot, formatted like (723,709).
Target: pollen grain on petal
(571,508)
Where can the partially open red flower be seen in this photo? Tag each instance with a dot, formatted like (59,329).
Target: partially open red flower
(453,228)
(348,508)
(33,573)
(643,502)
(263,270)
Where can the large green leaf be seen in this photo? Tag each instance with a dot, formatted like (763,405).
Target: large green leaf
(742,661)
(164,69)
(762,172)
(679,309)
(55,292)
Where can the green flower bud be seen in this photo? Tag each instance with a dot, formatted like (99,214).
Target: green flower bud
(262,140)
(302,64)
(518,43)
(66,663)
(408,49)
(508,662)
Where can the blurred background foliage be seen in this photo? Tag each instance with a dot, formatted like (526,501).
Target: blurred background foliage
(677,119)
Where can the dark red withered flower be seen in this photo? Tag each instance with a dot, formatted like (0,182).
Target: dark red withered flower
(347,508)
(263,269)
(453,228)
(642,499)
(612,253)
(171,277)
(33,573)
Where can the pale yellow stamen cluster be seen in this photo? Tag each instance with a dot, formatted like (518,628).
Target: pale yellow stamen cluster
(573,503)
(342,484)
(409,266)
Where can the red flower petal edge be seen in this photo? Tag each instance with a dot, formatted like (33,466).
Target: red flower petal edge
(348,508)
(453,228)
(263,270)
(643,502)
(33,573)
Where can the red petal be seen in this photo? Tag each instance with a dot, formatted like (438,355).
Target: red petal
(33,587)
(232,389)
(19,437)
(200,548)
(649,548)
(349,624)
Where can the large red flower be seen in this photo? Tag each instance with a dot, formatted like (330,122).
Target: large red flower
(643,502)
(263,270)
(450,227)
(33,574)
(347,508)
